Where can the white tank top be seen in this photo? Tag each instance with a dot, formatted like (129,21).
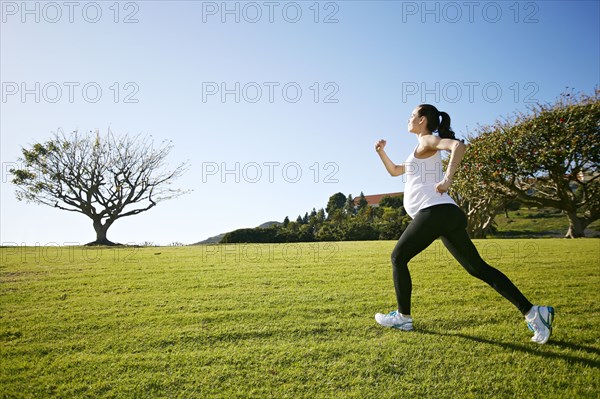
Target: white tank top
(421,177)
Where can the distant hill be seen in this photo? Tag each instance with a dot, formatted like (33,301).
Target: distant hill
(268,224)
(216,239)
(210,240)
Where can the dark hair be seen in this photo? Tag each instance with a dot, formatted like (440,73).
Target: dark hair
(433,121)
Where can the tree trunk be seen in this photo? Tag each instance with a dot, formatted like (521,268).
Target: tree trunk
(577,225)
(101,230)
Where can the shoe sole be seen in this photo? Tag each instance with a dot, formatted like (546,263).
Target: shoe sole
(402,327)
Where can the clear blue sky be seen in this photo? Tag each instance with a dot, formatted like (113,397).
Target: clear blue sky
(370,62)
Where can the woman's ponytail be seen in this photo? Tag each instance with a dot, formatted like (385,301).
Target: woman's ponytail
(444,129)
(433,121)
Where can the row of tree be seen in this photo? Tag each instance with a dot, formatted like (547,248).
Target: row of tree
(547,157)
(343,219)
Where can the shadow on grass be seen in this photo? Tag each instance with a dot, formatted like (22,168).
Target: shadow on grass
(537,350)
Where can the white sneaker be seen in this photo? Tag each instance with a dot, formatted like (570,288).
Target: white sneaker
(394,320)
(539,320)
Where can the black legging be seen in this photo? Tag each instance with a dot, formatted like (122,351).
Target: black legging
(448,222)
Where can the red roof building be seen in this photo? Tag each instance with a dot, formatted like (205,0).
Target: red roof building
(373,200)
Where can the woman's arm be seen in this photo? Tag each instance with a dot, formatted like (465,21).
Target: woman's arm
(392,168)
(457,152)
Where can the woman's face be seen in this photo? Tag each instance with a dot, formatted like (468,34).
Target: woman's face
(415,122)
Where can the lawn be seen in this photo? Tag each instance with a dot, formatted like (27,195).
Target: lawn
(292,321)
(537,222)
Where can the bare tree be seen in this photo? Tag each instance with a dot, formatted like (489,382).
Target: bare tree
(104,177)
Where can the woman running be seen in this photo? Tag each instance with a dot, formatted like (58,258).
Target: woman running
(435,215)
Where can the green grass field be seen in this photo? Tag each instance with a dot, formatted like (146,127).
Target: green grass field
(293,321)
(534,222)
